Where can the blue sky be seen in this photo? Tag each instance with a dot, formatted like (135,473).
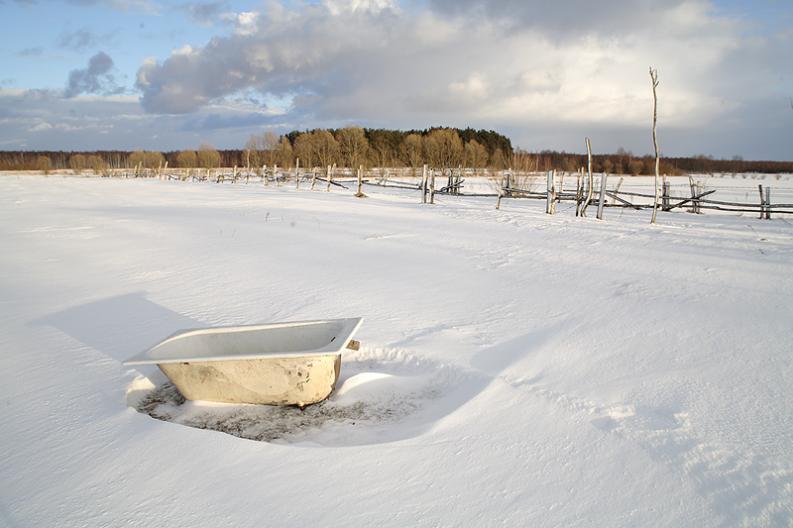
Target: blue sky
(85,74)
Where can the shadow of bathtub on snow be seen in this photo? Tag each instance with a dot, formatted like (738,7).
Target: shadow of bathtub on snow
(119,326)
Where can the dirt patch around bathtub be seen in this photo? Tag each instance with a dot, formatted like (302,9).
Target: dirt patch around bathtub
(377,390)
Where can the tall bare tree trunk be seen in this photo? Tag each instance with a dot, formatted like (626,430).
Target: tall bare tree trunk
(654,81)
(590,178)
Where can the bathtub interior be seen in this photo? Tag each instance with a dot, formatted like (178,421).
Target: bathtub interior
(256,341)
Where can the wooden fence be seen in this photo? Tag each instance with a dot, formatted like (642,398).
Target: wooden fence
(508,185)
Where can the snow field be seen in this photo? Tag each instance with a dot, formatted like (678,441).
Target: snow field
(516,368)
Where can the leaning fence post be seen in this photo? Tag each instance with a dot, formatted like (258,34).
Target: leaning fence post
(601,203)
(424,184)
(313,177)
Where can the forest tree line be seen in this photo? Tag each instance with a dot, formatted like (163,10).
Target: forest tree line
(354,146)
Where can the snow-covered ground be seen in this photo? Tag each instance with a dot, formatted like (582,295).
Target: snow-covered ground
(516,369)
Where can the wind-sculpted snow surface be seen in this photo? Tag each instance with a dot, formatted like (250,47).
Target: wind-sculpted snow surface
(516,368)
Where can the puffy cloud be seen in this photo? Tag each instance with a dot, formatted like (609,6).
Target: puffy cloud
(95,78)
(365,60)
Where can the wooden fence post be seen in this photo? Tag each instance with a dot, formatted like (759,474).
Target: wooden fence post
(329,177)
(432,186)
(665,196)
(313,177)
(548,192)
(694,202)
(602,202)
(275,175)
(297,174)
(762,201)
(768,203)
(424,184)
(360,193)
(265,181)
(617,188)
(700,189)
(234,175)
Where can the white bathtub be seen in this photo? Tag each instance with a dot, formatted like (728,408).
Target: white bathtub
(293,363)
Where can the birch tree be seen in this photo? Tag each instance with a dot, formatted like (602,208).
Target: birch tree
(654,82)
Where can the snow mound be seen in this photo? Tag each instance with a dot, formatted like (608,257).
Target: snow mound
(378,390)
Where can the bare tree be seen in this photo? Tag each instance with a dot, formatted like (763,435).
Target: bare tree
(78,163)
(208,157)
(268,144)
(654,82)
(97,164)
(44,164)
(498,160)
(284,154)
(412,151)
(304,148)
(475,155)
(326,148)
(146,159)
(444,148)
(353,145)
(187,159)
(590,178)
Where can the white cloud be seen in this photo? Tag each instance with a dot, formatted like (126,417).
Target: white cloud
(506,64)
(246,23)
(338,7)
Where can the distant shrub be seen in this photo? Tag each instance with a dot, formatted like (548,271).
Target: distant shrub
(146,159)
(187,159)
(208,157)
(78,163)
(44,164)
(96,164)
